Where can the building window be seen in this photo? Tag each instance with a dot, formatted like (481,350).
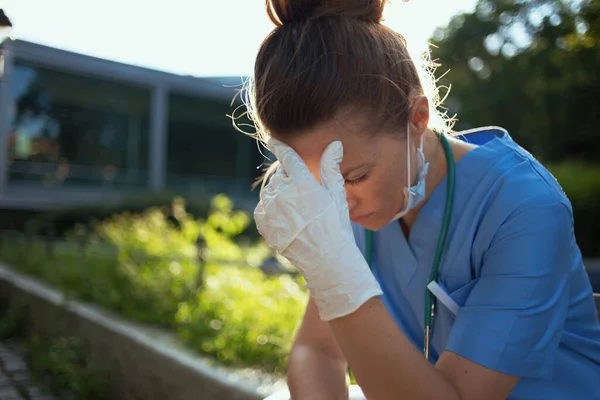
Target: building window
(202,145)
(72,130)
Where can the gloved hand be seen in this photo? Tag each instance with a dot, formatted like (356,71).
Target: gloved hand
(309,225)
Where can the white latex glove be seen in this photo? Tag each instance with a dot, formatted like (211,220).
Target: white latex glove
(309,225)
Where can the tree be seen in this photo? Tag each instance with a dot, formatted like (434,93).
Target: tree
(529,66)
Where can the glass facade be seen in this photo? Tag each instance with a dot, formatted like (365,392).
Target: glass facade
(72,130)
(202,145)
(74,122)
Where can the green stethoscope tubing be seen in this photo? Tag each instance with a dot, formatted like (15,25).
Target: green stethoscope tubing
(434,274)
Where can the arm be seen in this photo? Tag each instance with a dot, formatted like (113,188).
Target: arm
(316,365)
(521,294)
(387,365)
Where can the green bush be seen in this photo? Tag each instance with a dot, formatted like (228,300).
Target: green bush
(581,183)
(146,268)
(243,316)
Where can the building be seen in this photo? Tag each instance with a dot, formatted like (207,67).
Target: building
(82,129)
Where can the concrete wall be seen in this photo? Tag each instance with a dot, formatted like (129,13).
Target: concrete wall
(141,364)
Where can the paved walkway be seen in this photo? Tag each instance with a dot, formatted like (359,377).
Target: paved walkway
(16,382)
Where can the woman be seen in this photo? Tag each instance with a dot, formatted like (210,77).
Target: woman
(373,205)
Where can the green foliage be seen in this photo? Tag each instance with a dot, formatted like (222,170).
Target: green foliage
(59,364)
(147,268)
(241,316)
(529,66)
(56,361)
(12,323)
(581,183)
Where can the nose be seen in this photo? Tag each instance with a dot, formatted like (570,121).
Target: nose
(351,201)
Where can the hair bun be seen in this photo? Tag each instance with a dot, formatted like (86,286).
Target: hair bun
(283,12)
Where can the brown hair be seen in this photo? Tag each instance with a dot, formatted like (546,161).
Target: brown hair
(329,56)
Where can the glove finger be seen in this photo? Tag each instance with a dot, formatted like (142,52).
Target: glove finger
(292,163)
(329,166)
(277,217)
(331,177)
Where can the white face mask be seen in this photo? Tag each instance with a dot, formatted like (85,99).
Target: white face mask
(415,194)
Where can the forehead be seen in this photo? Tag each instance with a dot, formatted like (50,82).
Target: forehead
(358,146)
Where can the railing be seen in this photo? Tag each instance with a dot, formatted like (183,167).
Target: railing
(61,172)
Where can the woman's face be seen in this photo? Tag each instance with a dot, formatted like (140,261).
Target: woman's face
(374,168)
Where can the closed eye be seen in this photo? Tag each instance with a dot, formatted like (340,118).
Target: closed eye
(358,180)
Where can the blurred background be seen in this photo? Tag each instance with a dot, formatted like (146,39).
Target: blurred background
(124,183)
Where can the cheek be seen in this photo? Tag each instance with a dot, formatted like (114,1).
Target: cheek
(371,195)
(386,191)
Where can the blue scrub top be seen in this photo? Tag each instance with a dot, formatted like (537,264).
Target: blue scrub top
(511,263)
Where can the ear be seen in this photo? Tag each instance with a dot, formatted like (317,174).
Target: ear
(419,116)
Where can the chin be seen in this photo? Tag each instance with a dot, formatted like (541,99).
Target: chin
(373,222)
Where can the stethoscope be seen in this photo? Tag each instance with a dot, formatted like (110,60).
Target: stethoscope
(430,299)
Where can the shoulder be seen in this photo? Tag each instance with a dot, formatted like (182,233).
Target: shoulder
(511,190)
(516,181)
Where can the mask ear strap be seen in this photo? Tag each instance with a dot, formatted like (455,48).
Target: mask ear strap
(408,182)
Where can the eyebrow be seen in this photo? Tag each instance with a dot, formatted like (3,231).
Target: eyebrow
(368,164)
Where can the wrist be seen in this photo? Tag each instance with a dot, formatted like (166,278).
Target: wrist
(338,276)
(352,285)
(341,305)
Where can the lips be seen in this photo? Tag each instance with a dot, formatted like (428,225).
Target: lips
(360,218)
